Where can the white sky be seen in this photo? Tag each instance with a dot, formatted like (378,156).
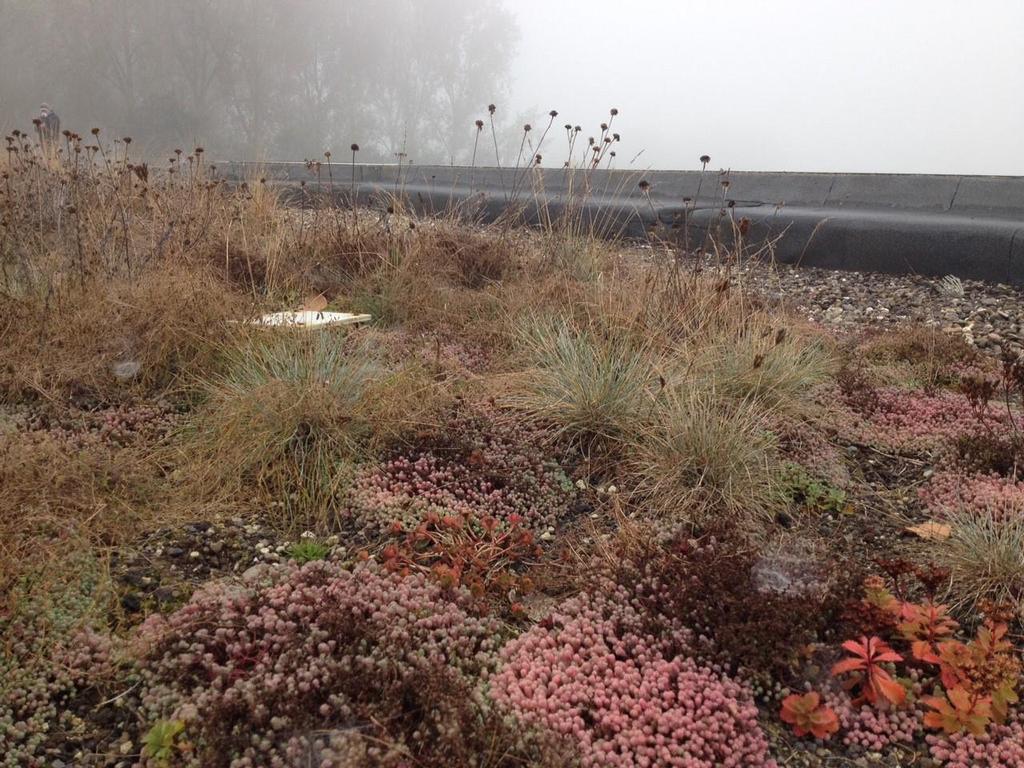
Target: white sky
(909,86)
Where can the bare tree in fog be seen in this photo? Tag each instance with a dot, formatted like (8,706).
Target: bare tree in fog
(261,78)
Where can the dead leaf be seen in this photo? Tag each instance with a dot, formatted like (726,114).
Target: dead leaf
(316,303)
(930,531)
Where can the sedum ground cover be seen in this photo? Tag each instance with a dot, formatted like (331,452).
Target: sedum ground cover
(560,504)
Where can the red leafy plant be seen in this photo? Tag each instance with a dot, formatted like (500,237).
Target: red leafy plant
(807,714)
(866,659)
(925,626)
(462,550)
(985,669)
(959,710)
(976,681)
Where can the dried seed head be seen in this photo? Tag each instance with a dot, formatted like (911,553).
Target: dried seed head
(616,137)
(327,154)
(604,126)
(527,128)
(614,111)
(491,108)
(127,139)
(536,160)
(553,113)
(479,125)
(354,147)
(705,159)
(644,185)
(95,131)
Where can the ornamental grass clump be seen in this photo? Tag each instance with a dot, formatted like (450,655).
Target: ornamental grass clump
(767,362)
(292,413)
(593,674)
(702,456)
(985,556)
(298,666)
(593,386)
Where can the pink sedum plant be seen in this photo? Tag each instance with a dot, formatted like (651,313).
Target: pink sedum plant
(950,492)
(905,420)
(253,669)
(593,674)
(485,465)
(1002,747)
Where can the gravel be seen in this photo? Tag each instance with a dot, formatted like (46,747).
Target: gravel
(987,315)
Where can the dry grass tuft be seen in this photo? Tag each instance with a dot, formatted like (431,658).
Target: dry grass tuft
(57,499)
(919,356)
(703,456)
(115,339)
(292,413)
(985,556)
(768,361)
(593,386)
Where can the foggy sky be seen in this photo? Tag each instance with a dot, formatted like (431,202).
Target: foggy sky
(907,86)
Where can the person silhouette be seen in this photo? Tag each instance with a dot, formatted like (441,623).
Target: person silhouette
(49,124)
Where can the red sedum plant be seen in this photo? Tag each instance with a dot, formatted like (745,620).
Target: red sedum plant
(460,550)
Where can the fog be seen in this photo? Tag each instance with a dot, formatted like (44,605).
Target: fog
(916,86)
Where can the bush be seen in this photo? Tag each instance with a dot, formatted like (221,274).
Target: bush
(702,457)
(325,666)
(623,697)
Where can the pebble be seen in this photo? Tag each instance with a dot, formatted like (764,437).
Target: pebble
(988,315)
